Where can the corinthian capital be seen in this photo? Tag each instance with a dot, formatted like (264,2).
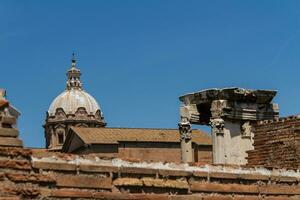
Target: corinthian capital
(185,130)
(217,126)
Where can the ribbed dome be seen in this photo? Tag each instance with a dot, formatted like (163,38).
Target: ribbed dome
(71,100)
(74,96)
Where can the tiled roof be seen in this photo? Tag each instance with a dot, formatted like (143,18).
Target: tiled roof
(115,135)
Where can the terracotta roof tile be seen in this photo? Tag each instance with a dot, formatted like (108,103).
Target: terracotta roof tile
(115,135)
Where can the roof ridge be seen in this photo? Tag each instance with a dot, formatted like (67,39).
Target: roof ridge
(133,128)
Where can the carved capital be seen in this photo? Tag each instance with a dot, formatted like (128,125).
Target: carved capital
(217,126)
(185,130)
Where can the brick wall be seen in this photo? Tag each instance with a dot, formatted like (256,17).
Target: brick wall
(276,144)
(34,174)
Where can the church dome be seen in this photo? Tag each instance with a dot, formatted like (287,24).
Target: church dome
(74,107)
(74,96)
(71,100)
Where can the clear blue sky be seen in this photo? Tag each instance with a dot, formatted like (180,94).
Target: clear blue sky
(137,57)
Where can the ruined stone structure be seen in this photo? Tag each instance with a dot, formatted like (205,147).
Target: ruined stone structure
(73,107)
(230,112)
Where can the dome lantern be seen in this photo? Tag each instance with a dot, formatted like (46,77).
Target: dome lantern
(73,75)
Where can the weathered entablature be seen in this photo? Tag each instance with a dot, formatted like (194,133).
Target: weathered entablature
(229,112)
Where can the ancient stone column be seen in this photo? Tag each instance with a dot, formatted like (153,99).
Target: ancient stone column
(219,155)
(186,140)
